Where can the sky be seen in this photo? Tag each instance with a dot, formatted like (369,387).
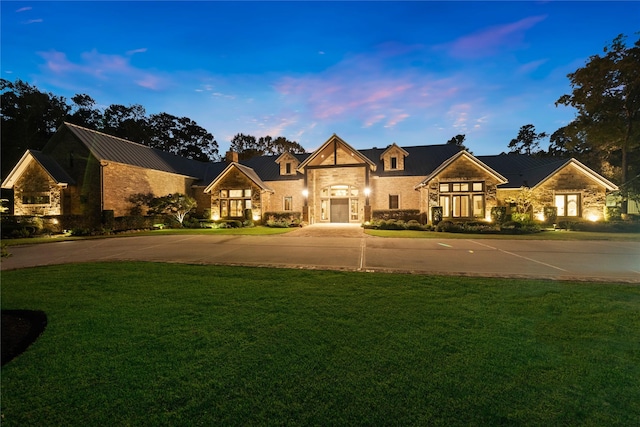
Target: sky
(374,73)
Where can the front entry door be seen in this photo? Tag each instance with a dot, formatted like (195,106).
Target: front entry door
(339,210)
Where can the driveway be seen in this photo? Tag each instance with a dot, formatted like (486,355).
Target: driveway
(348,248)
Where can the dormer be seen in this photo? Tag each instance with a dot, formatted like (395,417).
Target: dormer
(393,158)
(288,164)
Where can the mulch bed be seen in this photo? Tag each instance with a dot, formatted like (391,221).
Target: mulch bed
(20,329)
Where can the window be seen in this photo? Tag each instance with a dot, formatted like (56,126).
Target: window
(287,168)
(288,203)
(35,199)
(394,202)
(394,163)
(354,209)
(568,204)
(462,199)
(233,202)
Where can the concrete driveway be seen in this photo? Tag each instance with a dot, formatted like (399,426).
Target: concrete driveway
(348,248)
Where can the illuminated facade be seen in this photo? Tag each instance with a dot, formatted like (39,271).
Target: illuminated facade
(84,172)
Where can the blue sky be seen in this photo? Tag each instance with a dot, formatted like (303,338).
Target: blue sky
(374,73)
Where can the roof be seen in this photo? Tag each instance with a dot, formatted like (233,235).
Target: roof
(521,170)
(55,171)
(247,171)
(463,153)
(268,170)
(420,161)
(114,149)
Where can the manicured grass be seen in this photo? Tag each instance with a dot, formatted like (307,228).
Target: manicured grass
(544,235)
(164,344)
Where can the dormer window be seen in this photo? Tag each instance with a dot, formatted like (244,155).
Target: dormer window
(288,164)
(393,158)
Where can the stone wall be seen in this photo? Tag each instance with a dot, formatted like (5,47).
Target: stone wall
(36,182)
(403,186)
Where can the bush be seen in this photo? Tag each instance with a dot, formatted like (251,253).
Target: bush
(397,214)
(282,219)
(520,217)
(445,226)
(550,214)
(436,214)
(498,214)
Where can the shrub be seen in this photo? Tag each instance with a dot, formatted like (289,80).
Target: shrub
(397,214)
(437,214)
(445,226)
(498,214)
(520,217)
(550,214)
(282,219)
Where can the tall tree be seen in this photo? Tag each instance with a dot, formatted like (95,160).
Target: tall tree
(248,146)
(126,122)
(458,140)
(29,118)
(527,141)
(181,136)
(606,95)
(84,113)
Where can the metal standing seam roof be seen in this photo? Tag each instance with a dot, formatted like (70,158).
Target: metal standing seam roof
(110,148)
(52,167)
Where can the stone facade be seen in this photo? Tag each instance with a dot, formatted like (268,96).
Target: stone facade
(336,183)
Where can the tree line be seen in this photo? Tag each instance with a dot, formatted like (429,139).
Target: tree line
(604,135)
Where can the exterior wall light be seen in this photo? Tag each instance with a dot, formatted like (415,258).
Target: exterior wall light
(367,191)
(305,193)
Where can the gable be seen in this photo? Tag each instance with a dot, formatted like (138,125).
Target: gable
(235,175)
(288,164)
(463,166)
(336,152)
(573,175)
(393,158)
(47,164)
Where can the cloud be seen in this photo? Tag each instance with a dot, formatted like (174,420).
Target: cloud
(368,87)
(134,51)
(24,9)
(491,40)
(33,21)
(115,69)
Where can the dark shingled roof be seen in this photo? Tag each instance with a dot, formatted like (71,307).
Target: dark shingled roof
(421,161)
(111,148)
(52,167)
(522,170)
(268,170)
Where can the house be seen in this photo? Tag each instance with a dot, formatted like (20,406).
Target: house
(84,172)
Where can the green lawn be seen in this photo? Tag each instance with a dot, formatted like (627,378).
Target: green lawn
(167,344)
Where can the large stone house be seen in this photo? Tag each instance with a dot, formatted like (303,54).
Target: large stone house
(84,172)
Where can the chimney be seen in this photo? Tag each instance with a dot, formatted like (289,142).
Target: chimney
(231,156)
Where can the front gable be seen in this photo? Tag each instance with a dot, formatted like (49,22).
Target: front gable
(288,164)
(236,176)
(573,175)
(393,158)
(336,152)
(463,167)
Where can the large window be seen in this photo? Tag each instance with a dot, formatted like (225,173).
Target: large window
(36,198)
(462,199)
(329,208)
(568,204)
(234,202)
(288,203)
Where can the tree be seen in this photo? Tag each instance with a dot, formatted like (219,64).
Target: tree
(84,113)
(527,141)
(458,140)
(248,146)
(176,205)
(606,96)
(29,118)
(126,122)
(181,136)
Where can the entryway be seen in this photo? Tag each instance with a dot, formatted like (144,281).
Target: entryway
(339,212)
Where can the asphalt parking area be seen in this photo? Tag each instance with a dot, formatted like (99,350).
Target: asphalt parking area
(348,248)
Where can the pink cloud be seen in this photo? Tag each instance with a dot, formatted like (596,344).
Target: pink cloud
(492,39)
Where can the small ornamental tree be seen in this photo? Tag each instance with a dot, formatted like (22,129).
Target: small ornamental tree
(176,205)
